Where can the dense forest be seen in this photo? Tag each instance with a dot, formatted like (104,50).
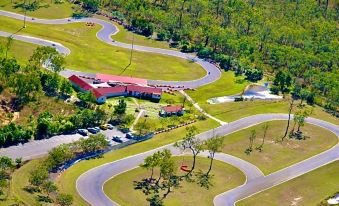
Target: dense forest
(298,37)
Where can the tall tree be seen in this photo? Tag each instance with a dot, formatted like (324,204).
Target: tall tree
(192,143)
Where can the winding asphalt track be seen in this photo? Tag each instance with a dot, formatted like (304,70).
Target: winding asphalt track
(104,34)
(89,184)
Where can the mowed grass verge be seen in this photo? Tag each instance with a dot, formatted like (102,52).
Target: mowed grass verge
(92,55)
(228,84)
(225,177)
(19,180)
(232,111)
(67,181)
(127,37)
(48,10)
(18,49)
(308,189)
(277,155)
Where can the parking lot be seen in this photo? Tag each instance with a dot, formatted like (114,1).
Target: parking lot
(38,148)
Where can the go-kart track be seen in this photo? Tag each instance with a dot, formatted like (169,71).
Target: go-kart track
(104,34)
(90,184)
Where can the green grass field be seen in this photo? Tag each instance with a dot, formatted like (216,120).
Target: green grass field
(48,10)
(120,188)
(226,85)
(232,111)
(19,50)
(127,37)
(67,181)
(92,55)
(276,156)
(308,189)
(18,182)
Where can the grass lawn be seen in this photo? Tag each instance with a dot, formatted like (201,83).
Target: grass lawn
(276,156)
(226,85)
(68,179)
(48,10)
(308,189)
(18,182)
(226,177)
(90,54)
(127,37)
(19,50)
(235,110)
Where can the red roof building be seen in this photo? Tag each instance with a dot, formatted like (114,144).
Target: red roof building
(122,79)
(172,110)
(102,93)
(80,83)
(147,90)
(109,91)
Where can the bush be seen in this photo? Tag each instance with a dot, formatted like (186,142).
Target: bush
(205,52)
(253,74)
(64,199)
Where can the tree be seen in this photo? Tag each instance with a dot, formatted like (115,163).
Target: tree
(264,128)
(18,162)
(26,87)
(143,127)
(64,199)
(213,145)
(59,155)
(5,163)
(48,57)
(38,176)
(87,98)
(192,143)
(151,162)
(49,187)
(90,5)
(291,104)
(66,88)
(251,138)
(93,143)
(120,108)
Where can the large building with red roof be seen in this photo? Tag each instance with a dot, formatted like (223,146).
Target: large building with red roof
(128,86)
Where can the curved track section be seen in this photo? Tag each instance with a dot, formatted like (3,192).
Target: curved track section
(90,184)
(104,34)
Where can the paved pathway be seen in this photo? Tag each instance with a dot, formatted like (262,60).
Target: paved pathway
(108,29)
(89,184)
(196,105)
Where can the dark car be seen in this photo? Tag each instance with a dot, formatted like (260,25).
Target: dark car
(117,139)
(97,81)
(92,130)
(124,130)
(83,132)
(129,135)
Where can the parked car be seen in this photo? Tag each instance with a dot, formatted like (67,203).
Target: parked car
(93,130)
(97,128)
(109,126)
(104,127)
(83,132)
(129,135)
(117,139)
(97,81)
(125,130)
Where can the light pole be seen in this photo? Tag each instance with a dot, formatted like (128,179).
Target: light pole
(130,59)
(25,6)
